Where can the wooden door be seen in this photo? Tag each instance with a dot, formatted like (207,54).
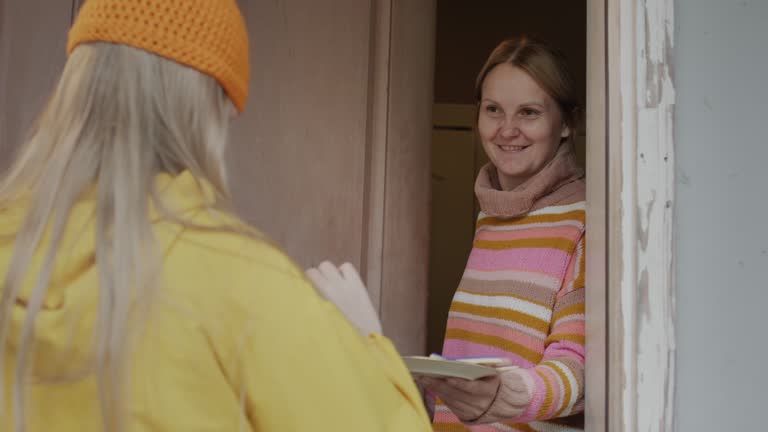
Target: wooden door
(331,157)
(298,153)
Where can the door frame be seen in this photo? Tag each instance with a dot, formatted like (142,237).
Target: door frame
(630,191)
(630,194)
(396,235)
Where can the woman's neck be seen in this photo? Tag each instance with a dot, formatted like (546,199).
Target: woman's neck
(501,197)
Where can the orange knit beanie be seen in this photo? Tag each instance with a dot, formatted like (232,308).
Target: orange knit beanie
(208,35)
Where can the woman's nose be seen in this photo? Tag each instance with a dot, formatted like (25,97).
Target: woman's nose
(509,128)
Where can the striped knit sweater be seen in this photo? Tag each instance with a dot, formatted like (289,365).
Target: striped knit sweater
(522,298)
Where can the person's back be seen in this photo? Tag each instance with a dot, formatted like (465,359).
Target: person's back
(132,299)
(237,337)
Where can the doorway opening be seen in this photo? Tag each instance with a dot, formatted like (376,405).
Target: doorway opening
(465,35)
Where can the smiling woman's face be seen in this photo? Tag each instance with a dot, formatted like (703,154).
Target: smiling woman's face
(519,124)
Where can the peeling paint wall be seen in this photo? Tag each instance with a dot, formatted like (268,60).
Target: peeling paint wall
(721,230)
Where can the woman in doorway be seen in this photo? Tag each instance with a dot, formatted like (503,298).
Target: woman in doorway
(522,293)
(133,298)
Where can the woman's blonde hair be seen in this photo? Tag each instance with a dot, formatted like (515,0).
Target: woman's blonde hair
(118,117)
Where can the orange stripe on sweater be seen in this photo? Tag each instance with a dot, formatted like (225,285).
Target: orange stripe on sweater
(566,386)
(577,215)
(562,244)
(494,341)
(569,232)
(574,309)
(502,313)
(547,396)
(575,338)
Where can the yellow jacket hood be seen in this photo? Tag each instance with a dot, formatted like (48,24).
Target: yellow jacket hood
(63,316)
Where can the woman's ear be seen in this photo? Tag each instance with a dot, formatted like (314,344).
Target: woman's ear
(566,131)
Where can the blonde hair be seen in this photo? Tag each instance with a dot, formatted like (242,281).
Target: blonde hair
(118,117)
(545,64)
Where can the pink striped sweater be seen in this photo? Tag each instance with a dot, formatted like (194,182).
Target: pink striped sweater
(522,298)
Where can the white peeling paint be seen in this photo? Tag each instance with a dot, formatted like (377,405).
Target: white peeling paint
(647,158)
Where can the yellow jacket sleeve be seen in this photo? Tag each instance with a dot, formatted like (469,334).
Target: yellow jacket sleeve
(304,367)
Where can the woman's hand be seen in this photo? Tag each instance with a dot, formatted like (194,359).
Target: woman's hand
(469,400)
(343,287)
(499,398)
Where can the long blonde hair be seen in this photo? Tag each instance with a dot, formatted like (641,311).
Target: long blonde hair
(118,117)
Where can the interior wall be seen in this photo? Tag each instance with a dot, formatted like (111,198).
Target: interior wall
(467,32)
(452,227)
(721,62)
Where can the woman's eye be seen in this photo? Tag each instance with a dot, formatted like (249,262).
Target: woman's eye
(529,112)
(492,109)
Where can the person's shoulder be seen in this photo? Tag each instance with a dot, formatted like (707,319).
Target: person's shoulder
(233,248)
(235,267)
(237,289)
(246,253)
